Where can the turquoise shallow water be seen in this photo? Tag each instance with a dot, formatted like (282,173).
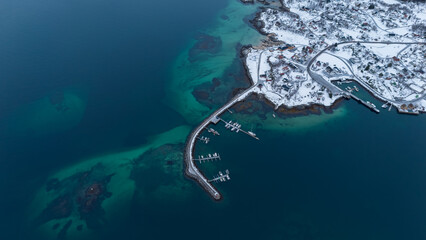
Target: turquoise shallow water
(230,27)
(351,174)
(80,80)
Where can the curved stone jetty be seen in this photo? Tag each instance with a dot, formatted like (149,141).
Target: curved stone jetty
(191,169)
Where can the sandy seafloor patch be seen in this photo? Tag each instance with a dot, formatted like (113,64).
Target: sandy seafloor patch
(54,113)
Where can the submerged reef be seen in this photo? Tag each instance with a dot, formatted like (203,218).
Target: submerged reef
(81,194)
(205,44)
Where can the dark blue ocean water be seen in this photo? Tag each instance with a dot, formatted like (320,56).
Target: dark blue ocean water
(360,176)
(114,51)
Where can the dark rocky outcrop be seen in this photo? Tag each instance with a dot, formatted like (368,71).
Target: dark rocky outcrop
(81,193)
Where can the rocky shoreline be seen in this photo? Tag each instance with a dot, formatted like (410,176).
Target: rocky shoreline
(284,111)
(265,2)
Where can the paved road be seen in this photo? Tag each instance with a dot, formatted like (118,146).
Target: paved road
(191,169)
(334,89)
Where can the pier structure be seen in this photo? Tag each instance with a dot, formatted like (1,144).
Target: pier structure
(221,177)
(204,139)
(385,105)
(235,126)
(366,103)
(209,157)
(216,119)
(191,169)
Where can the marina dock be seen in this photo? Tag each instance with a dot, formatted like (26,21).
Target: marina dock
(204,139)
(209,157)
(368,104)
(191,169)
(221,177)
(234,126)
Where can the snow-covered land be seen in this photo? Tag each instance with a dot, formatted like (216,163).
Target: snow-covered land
(336,21)
(366,41)
(283,79)
(393,72)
